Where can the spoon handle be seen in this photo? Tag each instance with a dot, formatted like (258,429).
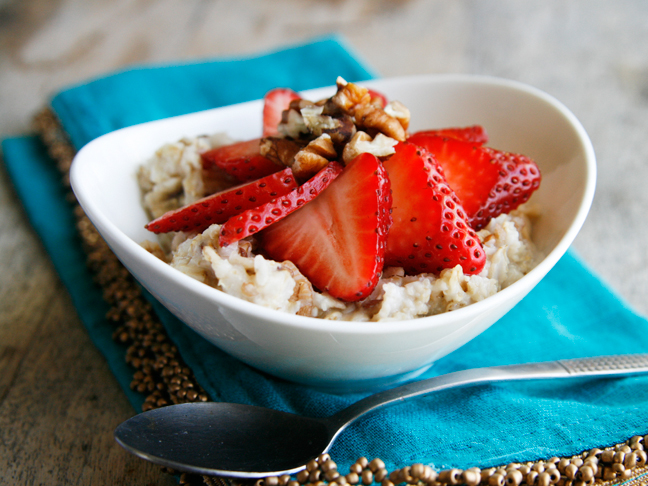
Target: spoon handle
(599,367)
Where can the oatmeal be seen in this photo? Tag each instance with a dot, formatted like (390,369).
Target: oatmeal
(175,176)
(238,271)
(275,253)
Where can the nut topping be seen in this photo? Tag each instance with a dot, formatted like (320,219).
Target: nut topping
(399,111)
(314,157)
(350,95)
(368,112)
(380,146)
(375,119)
(340,117)
(292,124)
(280,150)
(303,157)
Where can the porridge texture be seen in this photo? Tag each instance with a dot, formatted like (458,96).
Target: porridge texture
(174,177)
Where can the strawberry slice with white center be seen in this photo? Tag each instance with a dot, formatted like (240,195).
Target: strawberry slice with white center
(429,231)
(274,103)
(255,219)
(241,160)
(474,133)
(488,182)
(338,240)
(219,207)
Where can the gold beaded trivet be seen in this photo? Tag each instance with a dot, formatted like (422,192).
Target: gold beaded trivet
(163,378)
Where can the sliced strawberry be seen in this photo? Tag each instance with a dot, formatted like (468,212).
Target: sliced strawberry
(274,103)
(255,219)
(241,160)
(487,181)
(376,94)
(220,207)
(338,240)
(474,134)
(430,231)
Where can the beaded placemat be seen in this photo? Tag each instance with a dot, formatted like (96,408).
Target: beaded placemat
(161,376)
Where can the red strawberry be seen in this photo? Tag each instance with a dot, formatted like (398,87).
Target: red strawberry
(241,160)
(255,219)
(338,240)
(474,134)
(487,181)
(274,103)
(220,207)
(430,231)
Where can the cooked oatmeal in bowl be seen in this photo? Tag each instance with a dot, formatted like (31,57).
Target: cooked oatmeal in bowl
(182,174)
(238,270)
(374,310)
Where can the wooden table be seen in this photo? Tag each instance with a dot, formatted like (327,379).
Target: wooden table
(58,401)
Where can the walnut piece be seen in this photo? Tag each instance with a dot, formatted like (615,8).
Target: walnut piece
(350,95)
(368,112)
(314,157)
(376,119)
(340,127)
(355,146)
(315,121)
(332,125)
(399,111)
(292,124)
(380,146)
(303,157)
(280,150)
(344,130)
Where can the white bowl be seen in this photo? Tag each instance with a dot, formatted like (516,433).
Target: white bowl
(347,355)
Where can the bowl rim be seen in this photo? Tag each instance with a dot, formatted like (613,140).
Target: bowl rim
(262,313)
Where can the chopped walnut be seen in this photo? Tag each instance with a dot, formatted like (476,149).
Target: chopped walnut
(354,147)
(380,146)
(343,132)
(399,111)
(376,119)
(299,104)
(314,157)
(304,158)
(332,127)
(316,122)
(350,95)
(368,112)
(292,124)
(280,150)
(340,128)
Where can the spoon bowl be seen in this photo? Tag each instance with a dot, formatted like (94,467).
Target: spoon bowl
(226,438)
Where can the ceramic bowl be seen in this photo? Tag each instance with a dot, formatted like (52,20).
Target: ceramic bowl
(347,356)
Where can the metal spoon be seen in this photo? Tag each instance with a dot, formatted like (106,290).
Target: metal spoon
(244,441)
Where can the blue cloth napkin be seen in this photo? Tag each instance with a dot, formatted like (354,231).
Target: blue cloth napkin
(570,314)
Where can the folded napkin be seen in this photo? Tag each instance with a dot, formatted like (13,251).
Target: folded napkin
(570,314)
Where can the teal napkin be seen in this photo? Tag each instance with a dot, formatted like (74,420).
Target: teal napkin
(571,313)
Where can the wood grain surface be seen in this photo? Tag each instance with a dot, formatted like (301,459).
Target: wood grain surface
(58,401)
